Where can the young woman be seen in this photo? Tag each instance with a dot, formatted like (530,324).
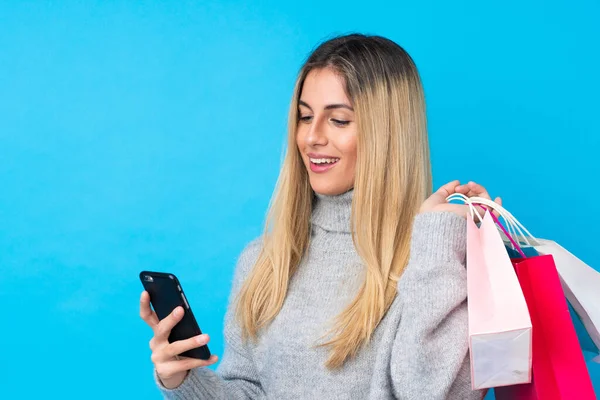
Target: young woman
(357,289)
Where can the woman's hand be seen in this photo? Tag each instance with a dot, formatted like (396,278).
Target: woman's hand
(437,201)
(171,369)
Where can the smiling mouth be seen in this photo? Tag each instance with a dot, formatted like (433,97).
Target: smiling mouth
(320,165)
(323,161)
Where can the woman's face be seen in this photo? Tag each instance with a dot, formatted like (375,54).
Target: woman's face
(326,134)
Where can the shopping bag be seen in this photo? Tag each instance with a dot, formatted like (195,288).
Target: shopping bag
(587,344)
(581,285)
(499,324)
(580,282)
(559,369)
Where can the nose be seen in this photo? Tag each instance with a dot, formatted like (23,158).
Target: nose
(316,135)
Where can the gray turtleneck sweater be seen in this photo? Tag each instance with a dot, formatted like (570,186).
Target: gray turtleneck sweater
(418,351)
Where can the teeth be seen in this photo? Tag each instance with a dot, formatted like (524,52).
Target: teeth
(323,160)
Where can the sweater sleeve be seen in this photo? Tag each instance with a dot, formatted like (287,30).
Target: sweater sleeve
(430,350)
(236,377)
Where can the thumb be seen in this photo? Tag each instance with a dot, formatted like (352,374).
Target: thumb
(448,189)
(498,201)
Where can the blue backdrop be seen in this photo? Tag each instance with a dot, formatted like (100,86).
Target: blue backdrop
(148,135)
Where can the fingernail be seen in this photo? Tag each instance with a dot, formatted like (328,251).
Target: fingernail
(177,312)
(201,339)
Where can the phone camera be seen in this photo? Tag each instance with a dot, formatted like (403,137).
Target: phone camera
(148,278)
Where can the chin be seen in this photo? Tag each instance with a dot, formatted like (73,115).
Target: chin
(329,189)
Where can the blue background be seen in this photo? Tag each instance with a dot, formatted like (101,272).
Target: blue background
(147,135)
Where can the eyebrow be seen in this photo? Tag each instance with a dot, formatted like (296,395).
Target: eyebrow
(328,106)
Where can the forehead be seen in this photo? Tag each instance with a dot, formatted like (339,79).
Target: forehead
(324,86)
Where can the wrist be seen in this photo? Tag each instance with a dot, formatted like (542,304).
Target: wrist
(174,381)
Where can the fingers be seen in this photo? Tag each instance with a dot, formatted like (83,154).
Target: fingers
(498,201)
(165,357)
(437,201)
(473,189)
(146,312)
(189,363)
(470,189)
(181,346)
(163,329)
(448,189)
(170,368)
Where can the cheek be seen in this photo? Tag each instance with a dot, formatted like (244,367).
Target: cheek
(300,144)
(348,148)
(299,138)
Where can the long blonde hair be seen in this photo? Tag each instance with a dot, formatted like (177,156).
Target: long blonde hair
(393,178)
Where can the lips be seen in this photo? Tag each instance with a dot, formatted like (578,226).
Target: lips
(320,163)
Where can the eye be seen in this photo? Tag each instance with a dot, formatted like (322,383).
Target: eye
(305,119)
(339,122)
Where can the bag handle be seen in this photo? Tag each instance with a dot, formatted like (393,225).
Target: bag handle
(467,201)
(510,220)
(508,235)
(515,228)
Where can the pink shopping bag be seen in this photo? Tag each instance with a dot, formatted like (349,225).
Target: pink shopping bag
(500,330)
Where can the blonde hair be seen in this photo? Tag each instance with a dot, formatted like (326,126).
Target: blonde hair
(393,178)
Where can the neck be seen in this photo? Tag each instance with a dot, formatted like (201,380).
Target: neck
(333,212)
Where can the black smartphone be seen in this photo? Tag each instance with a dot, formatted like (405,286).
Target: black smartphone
(165,295)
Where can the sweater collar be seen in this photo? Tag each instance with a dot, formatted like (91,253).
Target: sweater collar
(333,213)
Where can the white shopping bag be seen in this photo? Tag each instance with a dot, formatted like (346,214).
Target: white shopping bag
(581,284)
